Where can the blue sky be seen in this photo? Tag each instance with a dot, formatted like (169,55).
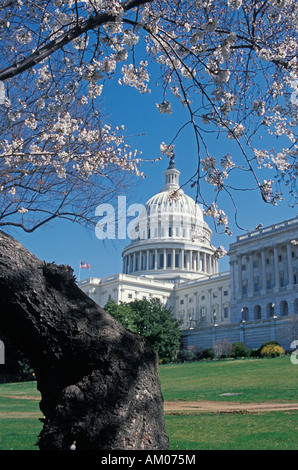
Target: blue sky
(67,243)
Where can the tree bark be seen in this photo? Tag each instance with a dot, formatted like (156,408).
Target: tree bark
(98,381)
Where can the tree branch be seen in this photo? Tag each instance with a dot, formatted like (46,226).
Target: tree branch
(65,38)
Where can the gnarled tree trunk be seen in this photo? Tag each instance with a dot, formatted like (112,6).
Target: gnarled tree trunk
(99,382)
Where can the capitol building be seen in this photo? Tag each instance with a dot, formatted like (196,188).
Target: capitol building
(171,257)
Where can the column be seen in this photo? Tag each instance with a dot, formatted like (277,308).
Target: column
(195,262)
(148,261)
(204,263)
(182,259)
(239,277)
(250,275)
(232,281)
(173,258)
(134,262)
(196,313)
(276,268)
(155,260)
(263,271)
(210,306)
(209,264)
(164,258)
(290,266)
(220,313)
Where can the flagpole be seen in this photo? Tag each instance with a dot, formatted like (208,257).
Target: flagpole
(80,271)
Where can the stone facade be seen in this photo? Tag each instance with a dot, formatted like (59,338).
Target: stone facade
(172,258)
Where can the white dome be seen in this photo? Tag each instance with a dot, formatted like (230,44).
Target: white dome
(171,213)
(180,210)
(170,239)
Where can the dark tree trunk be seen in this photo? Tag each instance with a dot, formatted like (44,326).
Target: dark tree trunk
(99,382)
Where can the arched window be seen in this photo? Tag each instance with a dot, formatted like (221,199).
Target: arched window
(203,313)
(245,314)
(257,312)
(270,310)
(284,308)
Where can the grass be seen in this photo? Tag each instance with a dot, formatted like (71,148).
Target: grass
(256,380)
(19,413)
(211,431)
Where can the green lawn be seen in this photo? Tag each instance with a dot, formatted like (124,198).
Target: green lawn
(211,431)
(255,380)
(19,413)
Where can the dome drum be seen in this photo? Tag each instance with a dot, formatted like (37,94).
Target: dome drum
(169,261)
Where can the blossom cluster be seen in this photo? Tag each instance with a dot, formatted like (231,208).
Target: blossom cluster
(231,65)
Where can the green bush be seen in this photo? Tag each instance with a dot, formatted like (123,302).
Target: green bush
(255,352)
(239,350)
(208,353)
(185,355)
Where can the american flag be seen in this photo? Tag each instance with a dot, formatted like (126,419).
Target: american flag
(84,265)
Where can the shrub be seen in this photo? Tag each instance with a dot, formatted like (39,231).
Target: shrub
(272,350)
(208,353)
(185,355)
(239,350)
(255,352)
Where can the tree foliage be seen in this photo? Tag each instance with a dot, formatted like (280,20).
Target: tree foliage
(150,319)
(231,63)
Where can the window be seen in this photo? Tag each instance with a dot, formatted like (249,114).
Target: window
(226,311)
(161,260)
(284,308)
(129,296)
(268,281)
(169,260)
(225,293)
(257,312)
(203,313)
(270,310)
(245,314)
(181,302)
